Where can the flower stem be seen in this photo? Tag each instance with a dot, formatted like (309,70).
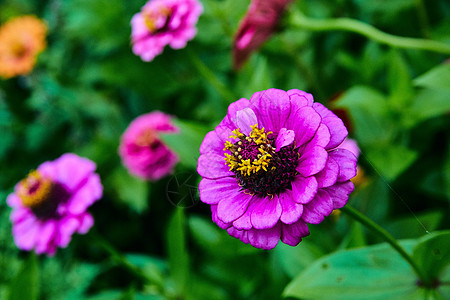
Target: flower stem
(209,76)
(345,24)
(123,261)
(385,235)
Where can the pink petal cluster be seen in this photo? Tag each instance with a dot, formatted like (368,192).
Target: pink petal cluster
(51,204)
(273,165)
(257,26)
(164,22)
(141,149)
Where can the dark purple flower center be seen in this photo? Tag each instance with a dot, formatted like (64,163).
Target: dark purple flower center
(41,195)
(259,169)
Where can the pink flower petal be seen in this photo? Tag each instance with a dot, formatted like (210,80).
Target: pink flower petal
(267,213)
(312,161)
(347,163)
(47,232)
(212,166)
(305,122)
(245,118)
(86,222)
(335,125)
(231,208)
(329,175)
(272,108)
(340,193)
(216,219)
(265,238)
(292,234)
(320,207)
(212,143)
(292,211)
(214,190)
(285,137)
(90,192)
(304,189)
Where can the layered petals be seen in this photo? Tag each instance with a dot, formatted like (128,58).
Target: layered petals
(266,183)
(49,217)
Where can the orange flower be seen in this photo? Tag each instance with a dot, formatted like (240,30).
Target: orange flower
(21,40)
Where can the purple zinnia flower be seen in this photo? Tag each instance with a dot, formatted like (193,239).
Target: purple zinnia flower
(164,22)
(50,204)
(273,165)
(142,151)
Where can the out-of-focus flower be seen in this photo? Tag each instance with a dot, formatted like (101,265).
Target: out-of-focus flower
(21,40)
(273,165)
(141,149)
(352,146)
(50,205)
(161,23)
(257,26)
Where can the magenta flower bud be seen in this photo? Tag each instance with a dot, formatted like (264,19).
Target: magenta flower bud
(273,165)
(50,205)
(143,152)
(257,26)
(164,22)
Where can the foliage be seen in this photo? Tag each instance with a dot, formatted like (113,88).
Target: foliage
(88,86)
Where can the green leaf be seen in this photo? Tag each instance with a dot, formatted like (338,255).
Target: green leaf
(293,260)
(375,272)
(413,226)
(429,103)
(217,241)
(152,267)
(438,77)
(432,254)
(130,190)
(400,82)
(355,238)
(369,111)
(391,160)
(177,251)
(186,143)
(26,284)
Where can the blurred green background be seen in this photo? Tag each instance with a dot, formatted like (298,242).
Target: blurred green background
(147,244)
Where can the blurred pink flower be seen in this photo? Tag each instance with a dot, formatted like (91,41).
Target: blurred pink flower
(141,149)
(257,26)
(161,23)
(50,205)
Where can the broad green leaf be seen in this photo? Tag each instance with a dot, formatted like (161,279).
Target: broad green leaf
(432,253)
(177,251)
(429,103)
(438,77)
(369,111)
(26,284)
(399,80)
(293,260)
(130,190)
(186,143)
(391,160)
(375,272)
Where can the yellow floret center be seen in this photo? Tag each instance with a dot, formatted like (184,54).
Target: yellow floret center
(151,17)
(250,154)
(34,190)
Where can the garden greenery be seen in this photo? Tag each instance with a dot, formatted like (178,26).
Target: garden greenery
(134,167)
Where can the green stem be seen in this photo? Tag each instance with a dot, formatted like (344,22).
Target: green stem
(209,76)
(122,260)
(385,235)
(345,24)
(423,19)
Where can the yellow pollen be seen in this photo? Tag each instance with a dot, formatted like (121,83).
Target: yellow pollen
(248,167)
(34,190)
(151,17)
